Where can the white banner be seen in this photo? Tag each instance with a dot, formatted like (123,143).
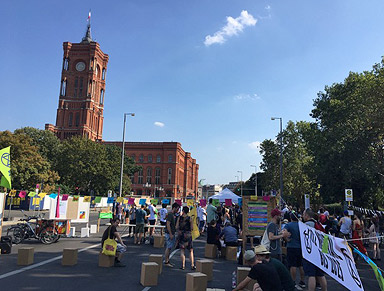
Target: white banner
(337,262)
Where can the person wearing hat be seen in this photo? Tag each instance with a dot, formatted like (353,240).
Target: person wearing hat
(274,234)
(263,255)
(262,271)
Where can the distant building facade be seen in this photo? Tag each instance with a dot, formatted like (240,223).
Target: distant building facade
(168,171)
(209,190)
(82,89)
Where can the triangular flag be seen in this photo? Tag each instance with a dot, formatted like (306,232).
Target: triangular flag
(53,195)
(42,195)
(31,194)
(5,167)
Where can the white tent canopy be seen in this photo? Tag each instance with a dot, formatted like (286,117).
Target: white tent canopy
(226,194)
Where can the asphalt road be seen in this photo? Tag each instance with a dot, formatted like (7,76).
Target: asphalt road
(47,273)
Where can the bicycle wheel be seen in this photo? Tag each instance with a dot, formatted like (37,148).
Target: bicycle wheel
(49,235)
(17,234)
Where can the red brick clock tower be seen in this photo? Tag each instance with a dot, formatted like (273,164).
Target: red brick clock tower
(81,99)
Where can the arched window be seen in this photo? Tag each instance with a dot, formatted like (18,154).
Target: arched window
(157,176)
(149,175)
(63,87)
(141,158)
(103,74)
(140,177)
(70,119)
(81,87)
(98,71)
(169,179)
(65,64)
(158,159)
(170,158)
(149,158)
(101,96)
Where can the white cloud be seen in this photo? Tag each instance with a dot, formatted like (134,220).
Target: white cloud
(246,97)
(233,27)
(159,124)
(255,145)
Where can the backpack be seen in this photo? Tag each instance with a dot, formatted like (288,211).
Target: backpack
(265,239)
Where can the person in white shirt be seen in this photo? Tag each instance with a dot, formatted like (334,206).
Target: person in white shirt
(152,218)
(202,217)
(163,216)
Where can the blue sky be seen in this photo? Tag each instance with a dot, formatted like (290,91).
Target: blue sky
(211,72)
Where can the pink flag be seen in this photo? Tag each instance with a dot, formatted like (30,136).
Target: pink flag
(65,197)
(131,201)
(22,194)
(58,205)
(178,201)
(203,202)
(228,202)
(266,198)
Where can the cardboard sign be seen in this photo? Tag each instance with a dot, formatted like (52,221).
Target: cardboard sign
(131,201)
(203,202)
(110,200)
(216,202)
(119,199)
(165,201)
(65,197)
(143,201)
(228,202)
(190,202)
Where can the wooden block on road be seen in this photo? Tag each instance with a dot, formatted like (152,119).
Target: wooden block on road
(196,282)
(106,261)
(25,256)
(206,267)
(149,274)
(158,259)
(242,273)
(69,257)
(210,251)
(158,241)
(231,253)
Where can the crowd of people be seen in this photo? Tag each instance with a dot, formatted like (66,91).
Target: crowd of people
(222,224)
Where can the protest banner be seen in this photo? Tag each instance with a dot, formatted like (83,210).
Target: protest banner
(336,259)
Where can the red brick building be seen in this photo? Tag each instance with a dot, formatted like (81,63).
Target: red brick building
(81,99)
(167,169)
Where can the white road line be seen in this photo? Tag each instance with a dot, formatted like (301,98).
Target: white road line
(146,288)
(174,252)
(41,263)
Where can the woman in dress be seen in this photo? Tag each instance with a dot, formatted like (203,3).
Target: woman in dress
(357,234)
(373,239)
(184,227)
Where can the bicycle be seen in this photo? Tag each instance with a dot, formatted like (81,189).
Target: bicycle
(43,230)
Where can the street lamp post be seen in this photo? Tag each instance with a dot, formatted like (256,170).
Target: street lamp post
(281,155)
(241,182)
(255,179)
(122,153)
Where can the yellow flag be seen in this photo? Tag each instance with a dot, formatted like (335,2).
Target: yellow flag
(42,195)
(195,231)
(5,167)
(87,199)
(119,199)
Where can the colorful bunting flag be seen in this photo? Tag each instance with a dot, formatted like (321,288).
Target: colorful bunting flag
(154,201)
(190,202)
(87,199)
(75,198)
(131,201)
(97,199)
(52,195)
(142,201)
(216,202)
(228,202)
(12,193)
(378,274)
(178,201)
(165,201)
(31,194)
(110,200)
(203,202)
(65,197)
(119,199)
(42,195)
(5,167)
(22,194)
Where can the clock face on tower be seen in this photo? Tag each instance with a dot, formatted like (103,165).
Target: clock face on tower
(80,66)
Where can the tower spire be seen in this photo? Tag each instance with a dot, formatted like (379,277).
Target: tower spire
(88,38)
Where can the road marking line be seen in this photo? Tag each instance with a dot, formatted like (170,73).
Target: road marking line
(174,252)
(41,263)
(146,288)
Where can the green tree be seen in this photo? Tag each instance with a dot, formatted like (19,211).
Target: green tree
(28,166)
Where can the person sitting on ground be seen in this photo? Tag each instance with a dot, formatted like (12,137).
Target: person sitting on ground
(140,218)
(285,278)
(170,230)
(114,234)
(213,235)
(229,234)
(184,226)
(262,271)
